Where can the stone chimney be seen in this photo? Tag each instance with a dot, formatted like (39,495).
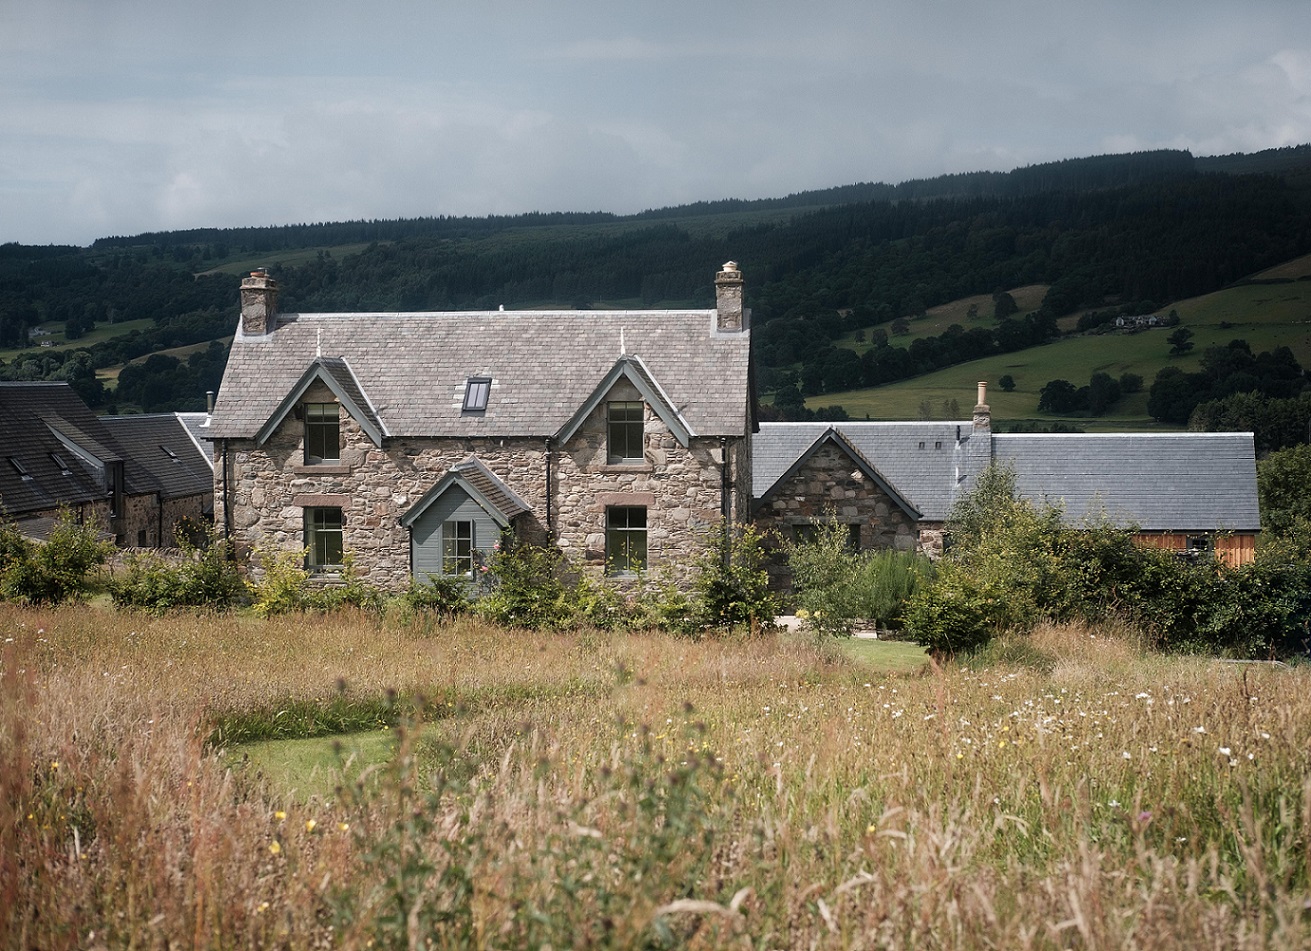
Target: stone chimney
(259,303)
(728,299)
(982,414)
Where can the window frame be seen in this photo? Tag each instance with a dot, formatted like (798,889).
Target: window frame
(319,531)
(455,562)
(324,429)
(624,434)
(477,393)
(803,533)
(625,544)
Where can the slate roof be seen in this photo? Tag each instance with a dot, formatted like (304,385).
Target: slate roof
(197,426)
(920,460)
(160,443)
(1157,481)
(497,499)
(832,436)
(31,416)
(412,368)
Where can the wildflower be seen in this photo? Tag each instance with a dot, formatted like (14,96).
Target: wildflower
(279,815)
(1127,755)
(275,847)
(309,825)
(54,764)
(343,826)
(263,906)
(1199,729)
(1224,751)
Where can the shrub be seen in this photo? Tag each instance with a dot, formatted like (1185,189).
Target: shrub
(350,591)
(837,587)
(440,594)
(57,569)
(1015,564)
(527,587)
(208,577)
(660,603)
(285,584)
(599,604)
(732,584)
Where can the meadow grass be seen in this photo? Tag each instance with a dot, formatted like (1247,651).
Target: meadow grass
(589,789)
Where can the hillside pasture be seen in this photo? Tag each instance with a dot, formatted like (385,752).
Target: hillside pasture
(58,341)
(599,790)
(1265,315)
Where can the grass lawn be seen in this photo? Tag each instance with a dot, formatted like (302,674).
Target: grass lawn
(312,767)
(885,656)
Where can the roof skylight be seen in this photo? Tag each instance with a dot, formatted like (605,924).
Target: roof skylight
(476,391)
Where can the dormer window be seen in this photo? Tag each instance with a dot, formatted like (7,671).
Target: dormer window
(322,433)
(624,422)
(476,391)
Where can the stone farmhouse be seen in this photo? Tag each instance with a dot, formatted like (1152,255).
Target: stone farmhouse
(141,479)
(412,441)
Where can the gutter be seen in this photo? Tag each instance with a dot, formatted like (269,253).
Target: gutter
(227,502)
(725,489)
(550,527)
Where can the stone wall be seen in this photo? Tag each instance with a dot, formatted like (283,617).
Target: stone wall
(270,486)
(681,489)
(830,485)
(189,510)
(139,522)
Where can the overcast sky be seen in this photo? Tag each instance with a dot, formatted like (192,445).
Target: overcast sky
(123,116)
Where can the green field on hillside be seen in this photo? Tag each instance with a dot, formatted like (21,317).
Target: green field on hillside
(1265,315)
(55,336)
(936,320)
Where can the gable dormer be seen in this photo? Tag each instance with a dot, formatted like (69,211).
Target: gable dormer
(625,417)
(321,420)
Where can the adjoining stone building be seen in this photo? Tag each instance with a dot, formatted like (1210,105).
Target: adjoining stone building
(137,478)
(894,483)
(411,441)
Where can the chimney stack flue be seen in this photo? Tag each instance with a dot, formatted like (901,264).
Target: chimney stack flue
(982,413)
(259,303)
(729,315)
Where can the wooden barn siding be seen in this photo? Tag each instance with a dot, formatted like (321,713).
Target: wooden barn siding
(1233,550)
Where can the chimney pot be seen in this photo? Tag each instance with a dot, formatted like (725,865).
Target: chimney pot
(729,315)
(982,413)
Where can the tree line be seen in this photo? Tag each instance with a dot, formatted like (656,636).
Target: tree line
(1146,227)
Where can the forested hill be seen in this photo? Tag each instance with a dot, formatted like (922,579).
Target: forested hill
(1153,227)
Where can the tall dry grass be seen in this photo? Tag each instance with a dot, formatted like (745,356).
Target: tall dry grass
(597,790)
